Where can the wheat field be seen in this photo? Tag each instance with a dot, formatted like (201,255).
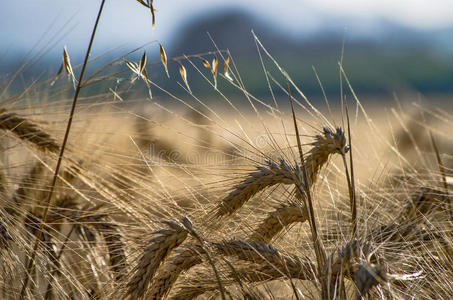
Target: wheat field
(164,196)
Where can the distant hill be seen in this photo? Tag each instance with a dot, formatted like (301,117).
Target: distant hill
(379,58)
(395,58)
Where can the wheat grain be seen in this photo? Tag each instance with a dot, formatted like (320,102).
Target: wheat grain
(288,213)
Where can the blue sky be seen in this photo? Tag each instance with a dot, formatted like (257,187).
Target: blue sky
(125,22)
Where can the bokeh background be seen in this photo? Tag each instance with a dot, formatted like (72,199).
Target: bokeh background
(402,48)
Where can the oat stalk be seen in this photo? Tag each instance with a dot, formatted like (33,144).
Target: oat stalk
(31,260)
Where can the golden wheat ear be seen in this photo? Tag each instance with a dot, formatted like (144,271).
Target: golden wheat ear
(28,131)
(153,256)
(182,260)
(264,177)
(283,216)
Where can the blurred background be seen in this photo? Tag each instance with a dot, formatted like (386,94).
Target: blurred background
(390,47)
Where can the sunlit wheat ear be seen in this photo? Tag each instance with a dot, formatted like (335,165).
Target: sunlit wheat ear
(181,261)
(256,252)
(285,215)
(27,131)
(264,177)
(288,213)
(153,256)
(325,144)
(259,262)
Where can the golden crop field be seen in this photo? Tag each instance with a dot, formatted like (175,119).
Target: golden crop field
(220,197)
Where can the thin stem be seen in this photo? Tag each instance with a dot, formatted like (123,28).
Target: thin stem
(48,294)
(442,171)
(31,260)
(351,185)
(188,225)
(319,250)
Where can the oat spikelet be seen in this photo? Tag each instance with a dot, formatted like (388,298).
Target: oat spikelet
(153,256)
(206,63)
(183,260)
(142,62)
(214,70)
(225,69)
(28,131)
(285,215)
(149,4)
(183,73)
(264,177)
(67,65)
(163,58)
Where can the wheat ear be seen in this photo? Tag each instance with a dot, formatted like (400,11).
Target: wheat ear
(264,177)
(183,260)
(326,144)
(274,264)
(285,215)
(115,248)
(27,130)
(267,263)
(153,256)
